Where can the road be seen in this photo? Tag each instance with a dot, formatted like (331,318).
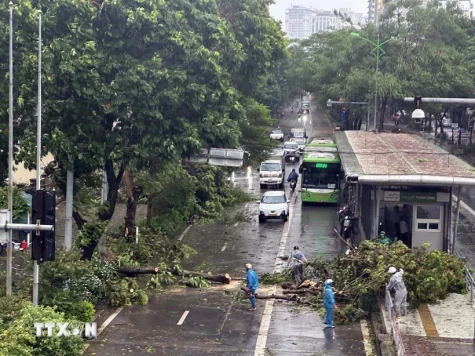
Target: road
(214,321)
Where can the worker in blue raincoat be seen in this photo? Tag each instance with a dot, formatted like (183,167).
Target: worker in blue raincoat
(252,285)
(328,303)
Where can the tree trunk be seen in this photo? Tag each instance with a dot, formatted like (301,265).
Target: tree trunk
(114,184)
(134,271)
(149,213)
(290,298)
(88,251)
(133,195)
(79,220)
(382,114)
(303,291)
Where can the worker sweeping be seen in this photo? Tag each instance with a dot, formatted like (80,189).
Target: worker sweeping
(396,282)
(252,284)
(329,303)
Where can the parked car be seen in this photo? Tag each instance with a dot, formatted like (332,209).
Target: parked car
(277,135)
(273,205)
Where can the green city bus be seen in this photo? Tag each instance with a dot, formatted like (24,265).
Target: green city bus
(320,173)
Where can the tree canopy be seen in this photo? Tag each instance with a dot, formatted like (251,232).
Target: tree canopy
(130,86)
(429,53)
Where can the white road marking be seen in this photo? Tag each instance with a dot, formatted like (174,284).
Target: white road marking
(224,247)
(368,345)
(236,224)
(268,309)
(247,204)
(184,233)
(183,317)
(104,326)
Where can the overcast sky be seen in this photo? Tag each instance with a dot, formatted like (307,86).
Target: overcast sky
(278,9)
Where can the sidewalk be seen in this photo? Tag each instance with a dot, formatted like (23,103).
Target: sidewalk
(443,329)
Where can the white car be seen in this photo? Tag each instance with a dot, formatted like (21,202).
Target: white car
(277,135)
(291,149)
(273,205)
(300,142)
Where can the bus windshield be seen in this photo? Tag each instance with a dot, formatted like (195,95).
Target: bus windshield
(320,175)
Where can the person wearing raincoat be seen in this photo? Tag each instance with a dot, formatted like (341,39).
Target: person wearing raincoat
(297,260)
(328,303)
(397,283)
(384,239)
(252,284)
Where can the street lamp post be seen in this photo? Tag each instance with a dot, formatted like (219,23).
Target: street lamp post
(378,52)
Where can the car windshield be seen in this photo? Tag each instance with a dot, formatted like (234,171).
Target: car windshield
(277,132)
(291,146)
(266,167)
(273,199)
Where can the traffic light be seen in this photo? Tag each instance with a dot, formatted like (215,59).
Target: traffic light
(43,243)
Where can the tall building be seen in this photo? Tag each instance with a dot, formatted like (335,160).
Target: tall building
(301,22)
(375,10)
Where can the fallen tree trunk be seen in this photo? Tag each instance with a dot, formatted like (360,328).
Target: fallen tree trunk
(289,298)
(226,278)
(303,291)
(134,271)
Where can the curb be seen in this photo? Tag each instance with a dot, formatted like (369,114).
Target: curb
(382,331)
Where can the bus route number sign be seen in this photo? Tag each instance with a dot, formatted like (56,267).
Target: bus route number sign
(321,165)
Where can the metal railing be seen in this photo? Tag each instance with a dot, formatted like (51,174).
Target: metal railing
(396,334)
(469,279)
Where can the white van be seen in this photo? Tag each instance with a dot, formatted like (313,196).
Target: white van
(272,171)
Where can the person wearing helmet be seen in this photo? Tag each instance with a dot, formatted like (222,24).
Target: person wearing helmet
(329,303)
(252,284)
(400,297)
(296,261)
(293,175)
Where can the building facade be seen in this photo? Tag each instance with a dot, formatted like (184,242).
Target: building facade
(301,22)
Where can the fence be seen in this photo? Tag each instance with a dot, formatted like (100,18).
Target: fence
(398,342)
(469,280)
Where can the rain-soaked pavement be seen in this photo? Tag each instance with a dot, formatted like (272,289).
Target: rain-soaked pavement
(212,321)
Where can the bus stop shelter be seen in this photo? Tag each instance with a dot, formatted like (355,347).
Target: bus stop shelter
(403,185)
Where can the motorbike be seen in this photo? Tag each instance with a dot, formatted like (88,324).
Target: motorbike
(293,184)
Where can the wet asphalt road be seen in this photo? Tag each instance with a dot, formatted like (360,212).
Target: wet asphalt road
(217,323)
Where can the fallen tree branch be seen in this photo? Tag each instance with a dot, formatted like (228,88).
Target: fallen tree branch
(303,291)
(289,298)
(134,271)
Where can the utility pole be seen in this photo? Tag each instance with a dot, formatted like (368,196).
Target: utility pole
(36,264)
(10,157)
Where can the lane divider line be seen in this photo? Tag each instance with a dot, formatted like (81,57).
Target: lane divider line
(261,342)
(183,317)
(104,326)
(184,233)
(224,247)
(236,224)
